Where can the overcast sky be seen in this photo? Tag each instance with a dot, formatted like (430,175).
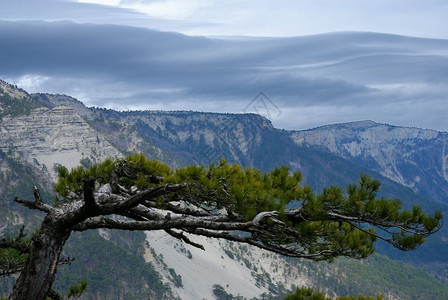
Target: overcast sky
(127,55)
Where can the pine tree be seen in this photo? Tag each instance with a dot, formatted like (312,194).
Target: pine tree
(271,211)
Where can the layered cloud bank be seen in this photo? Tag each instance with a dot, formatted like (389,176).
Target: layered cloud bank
(310,81)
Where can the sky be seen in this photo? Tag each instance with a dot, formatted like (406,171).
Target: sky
(315,62)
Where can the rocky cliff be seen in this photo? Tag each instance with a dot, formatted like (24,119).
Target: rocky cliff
(46,134)
(49,137)
(413,157)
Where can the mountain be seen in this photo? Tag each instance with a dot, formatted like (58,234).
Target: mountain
(184,137)
(46,137)
(413,157)
(41,131)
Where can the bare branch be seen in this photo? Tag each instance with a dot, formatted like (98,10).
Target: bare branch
(89,198)
(54,295)
(35,205)
(141,213)
(264,214)
(320,255)
(178,208)
(177,222)
(37,194)
(181,236)
(146,195)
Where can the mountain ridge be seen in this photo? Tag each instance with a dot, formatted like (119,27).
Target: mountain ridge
(363,123)
(391,133)
(178,138)
(389,150)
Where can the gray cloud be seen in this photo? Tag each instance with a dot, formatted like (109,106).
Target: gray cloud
(54,10)
(73,11)
(246,17)
(314,80)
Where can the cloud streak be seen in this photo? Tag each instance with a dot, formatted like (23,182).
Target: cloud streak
(295,17)
(244,17)
(329,78)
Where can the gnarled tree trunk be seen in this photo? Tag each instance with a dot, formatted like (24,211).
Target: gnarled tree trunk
(36,279)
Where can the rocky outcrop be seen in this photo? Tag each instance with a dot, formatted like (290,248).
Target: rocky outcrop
(52,100)
(207,136)
(47,138)
(13,91)
(413,157)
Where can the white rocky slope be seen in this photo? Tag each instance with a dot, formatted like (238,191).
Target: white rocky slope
(239,269)
(49,137)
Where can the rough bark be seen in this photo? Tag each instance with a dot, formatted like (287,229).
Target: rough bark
(36,279)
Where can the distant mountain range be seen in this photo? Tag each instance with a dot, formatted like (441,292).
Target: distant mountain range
(413,157)
(39,132)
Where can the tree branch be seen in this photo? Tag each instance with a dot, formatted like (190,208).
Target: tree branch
(16,243)
(10,268)
(264,214)
(177,222)
(178,208)
(182,237)
(383,224)
(35,205)
(89,197)
(138,198)
(320,255)
(22,247)
(37,194)
(54,295)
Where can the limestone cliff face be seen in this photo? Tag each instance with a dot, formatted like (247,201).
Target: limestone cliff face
(48,137)
(52,100)
(176,137)
(204,137)
(413,157)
